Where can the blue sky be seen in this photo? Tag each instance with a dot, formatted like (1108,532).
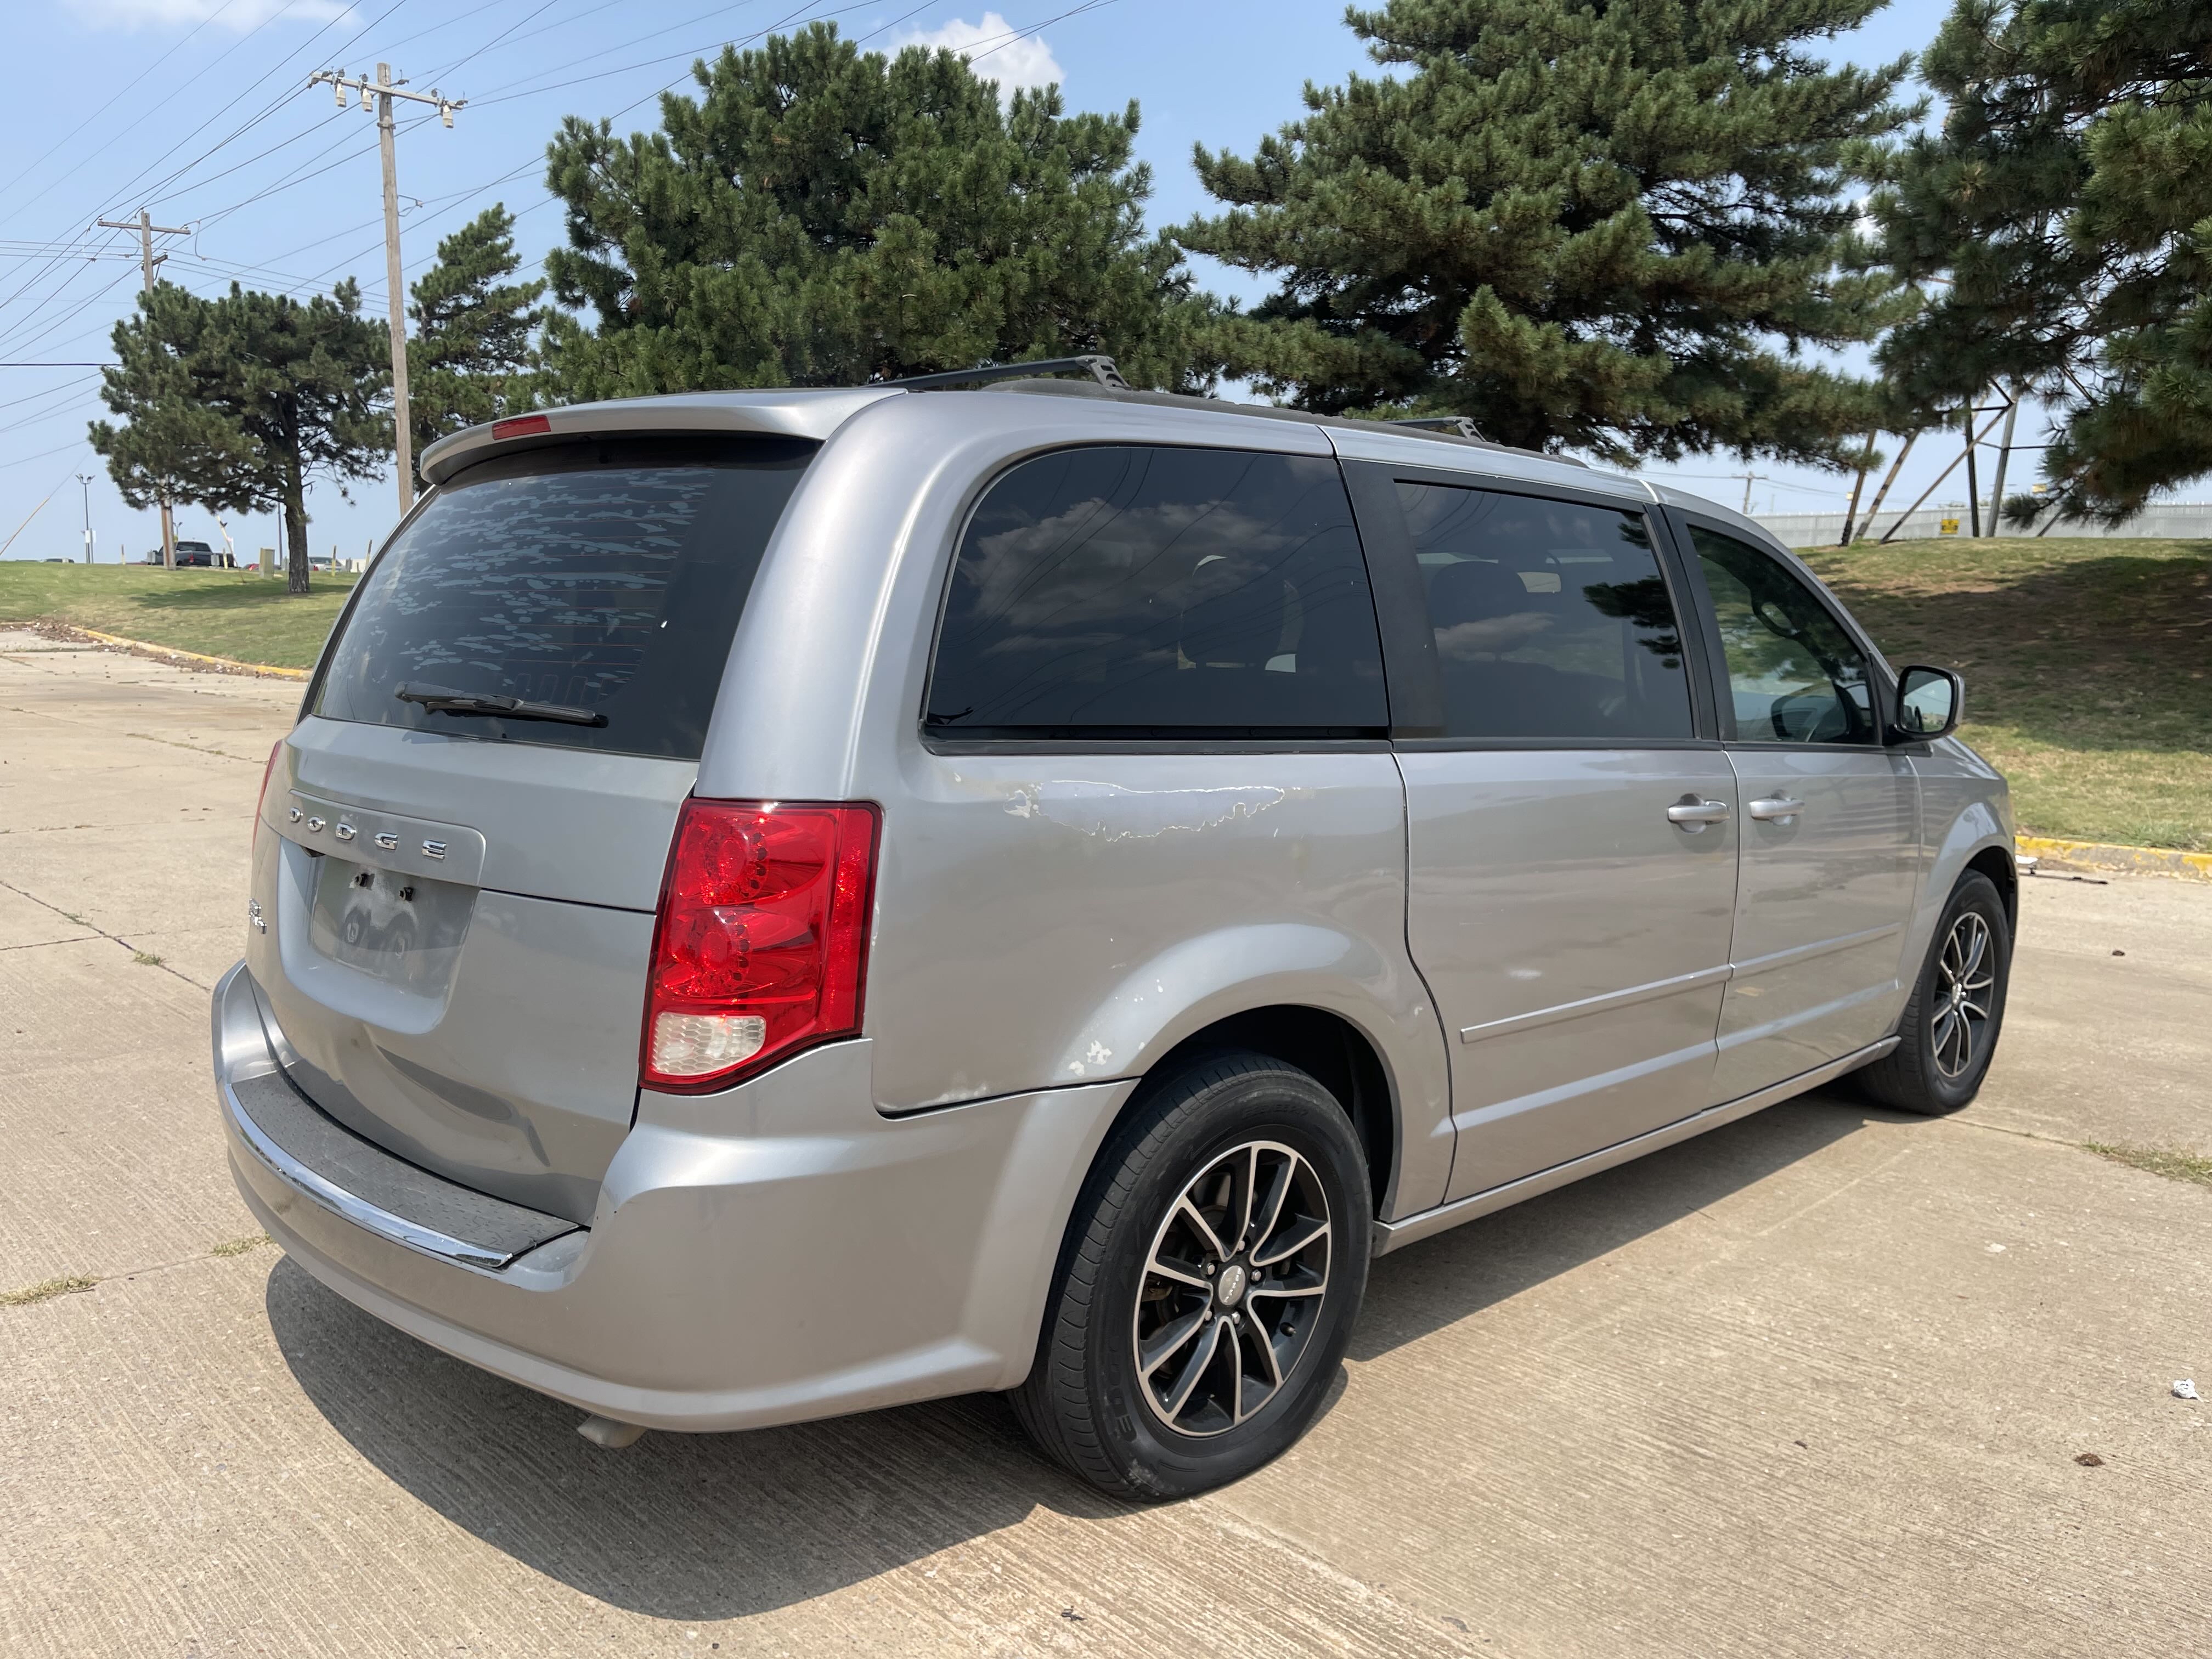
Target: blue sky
(199,109)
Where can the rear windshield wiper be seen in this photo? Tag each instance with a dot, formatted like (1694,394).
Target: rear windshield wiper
(443,699)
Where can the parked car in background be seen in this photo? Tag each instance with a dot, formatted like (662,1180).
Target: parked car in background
(789,902)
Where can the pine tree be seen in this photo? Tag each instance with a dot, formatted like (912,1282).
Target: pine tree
(820,215)
(234,402)
(2064,209)
(474,355)
(1601,225)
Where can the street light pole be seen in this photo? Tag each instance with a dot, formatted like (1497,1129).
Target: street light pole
(380,97)
(85,478)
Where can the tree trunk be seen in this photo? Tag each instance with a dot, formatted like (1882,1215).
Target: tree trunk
(295,534)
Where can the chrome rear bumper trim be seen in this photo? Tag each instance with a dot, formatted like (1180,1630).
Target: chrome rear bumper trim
(334,1198)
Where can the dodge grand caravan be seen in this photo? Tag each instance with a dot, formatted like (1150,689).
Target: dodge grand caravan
(781,903)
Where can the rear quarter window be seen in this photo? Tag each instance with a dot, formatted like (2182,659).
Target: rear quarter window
(1130,592)
(605,576)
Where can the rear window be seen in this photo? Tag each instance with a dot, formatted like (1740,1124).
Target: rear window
(1130,592)
(605,577)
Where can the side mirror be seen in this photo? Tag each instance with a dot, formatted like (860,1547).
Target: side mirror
(1930,702)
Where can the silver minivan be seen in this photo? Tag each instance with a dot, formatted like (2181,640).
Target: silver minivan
(781,903)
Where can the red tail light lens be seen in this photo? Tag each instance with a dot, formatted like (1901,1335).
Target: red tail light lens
(761,945)
(520,426)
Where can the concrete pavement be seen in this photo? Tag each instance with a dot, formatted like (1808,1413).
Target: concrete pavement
(1815,1383)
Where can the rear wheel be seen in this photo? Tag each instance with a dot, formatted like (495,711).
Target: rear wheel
(1950,1030)
(1215,1264)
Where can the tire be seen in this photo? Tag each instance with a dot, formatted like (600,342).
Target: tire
(1944,1049)
(1136,1270)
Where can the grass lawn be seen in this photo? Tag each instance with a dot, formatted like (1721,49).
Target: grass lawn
(2087,663)
(220,613)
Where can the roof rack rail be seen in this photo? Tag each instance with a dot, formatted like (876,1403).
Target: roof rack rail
(1098,367)
(1460,426)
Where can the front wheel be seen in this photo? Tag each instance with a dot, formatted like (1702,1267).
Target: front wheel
(1216,1264)
(1950,1030)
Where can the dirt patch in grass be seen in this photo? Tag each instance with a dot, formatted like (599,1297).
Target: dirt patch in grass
(2088,670)
(2175,1166)
(241,614)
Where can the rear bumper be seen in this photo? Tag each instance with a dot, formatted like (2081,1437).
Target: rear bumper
(774,1254)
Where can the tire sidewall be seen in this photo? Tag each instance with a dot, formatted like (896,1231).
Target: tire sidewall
(1280,1105)
(1978,893)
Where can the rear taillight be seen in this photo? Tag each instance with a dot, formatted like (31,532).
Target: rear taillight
(267,772)
(760,948)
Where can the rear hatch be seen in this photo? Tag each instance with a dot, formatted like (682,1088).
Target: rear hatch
(461,890)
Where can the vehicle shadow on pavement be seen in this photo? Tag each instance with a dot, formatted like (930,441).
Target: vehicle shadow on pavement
(722,1526)
(1443,1280)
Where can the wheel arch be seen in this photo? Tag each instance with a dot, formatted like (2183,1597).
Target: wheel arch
(2003,869)
(1326,1046)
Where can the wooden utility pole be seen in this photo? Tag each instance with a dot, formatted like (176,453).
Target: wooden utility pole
(148,230)
(379,97)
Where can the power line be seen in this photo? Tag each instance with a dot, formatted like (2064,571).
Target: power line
(133,186)
(133,127)
(440,73)
(259,155)
(24,460)
(14,339)
(297,177)
(134,81)
(47,414)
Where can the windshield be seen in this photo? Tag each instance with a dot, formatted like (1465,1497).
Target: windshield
(607,576)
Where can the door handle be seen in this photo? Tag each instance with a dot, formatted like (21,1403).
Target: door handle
(1778,810)
(1691,814)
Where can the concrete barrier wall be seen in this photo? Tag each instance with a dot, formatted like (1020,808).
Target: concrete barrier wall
(2180,521)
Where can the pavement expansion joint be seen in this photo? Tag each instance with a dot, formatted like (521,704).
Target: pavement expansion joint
(30,1295)
(142,957)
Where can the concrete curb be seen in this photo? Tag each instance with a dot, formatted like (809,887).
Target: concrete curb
(2140,860)
(170,652)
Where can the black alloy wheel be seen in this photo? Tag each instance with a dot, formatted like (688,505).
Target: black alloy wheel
(1212,1271)
(1949,1033)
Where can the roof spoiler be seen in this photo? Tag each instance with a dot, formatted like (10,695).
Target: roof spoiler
(1099,367)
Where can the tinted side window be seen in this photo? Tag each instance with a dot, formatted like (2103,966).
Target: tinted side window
(1135,592)
(1794,675)
(1552,617)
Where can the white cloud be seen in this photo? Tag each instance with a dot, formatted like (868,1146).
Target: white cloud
(235,15)
(992,48)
